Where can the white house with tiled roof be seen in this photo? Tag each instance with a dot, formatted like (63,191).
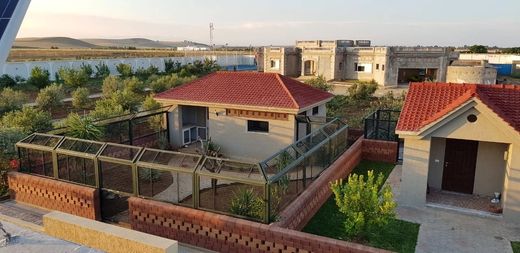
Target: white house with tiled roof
(250,115)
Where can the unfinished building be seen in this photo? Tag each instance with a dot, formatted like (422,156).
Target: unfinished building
(358,60)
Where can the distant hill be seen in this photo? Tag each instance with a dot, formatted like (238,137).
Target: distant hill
(65,42)
(48,42)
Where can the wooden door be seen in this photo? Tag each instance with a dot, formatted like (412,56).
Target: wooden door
(460,160)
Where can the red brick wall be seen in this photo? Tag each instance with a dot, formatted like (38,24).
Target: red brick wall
(380,151)
(55,195)
(227,234)
(303,208)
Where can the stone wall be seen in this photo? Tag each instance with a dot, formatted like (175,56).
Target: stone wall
(55,195)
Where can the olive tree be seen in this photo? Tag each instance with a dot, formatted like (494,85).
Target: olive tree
(39,77)
(80,98)
(73,78)
(11,100)
(50,97)
(29,120)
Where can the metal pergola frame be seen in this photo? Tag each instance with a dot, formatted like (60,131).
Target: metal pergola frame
(136,162)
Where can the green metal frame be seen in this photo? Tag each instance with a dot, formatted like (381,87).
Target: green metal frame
(264,180)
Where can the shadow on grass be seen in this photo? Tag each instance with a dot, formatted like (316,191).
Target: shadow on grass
(398,235)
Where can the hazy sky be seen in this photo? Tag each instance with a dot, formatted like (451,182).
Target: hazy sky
(281,22)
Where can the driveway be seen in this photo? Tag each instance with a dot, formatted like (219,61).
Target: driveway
(452,231)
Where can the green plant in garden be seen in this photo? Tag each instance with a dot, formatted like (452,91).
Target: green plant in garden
(125,70)
(7,81)
(107,108)
(150,175)
(50,97)
(102,70)
(110,85)
(9,136)
(171,66)
(134,85)
(319,82)
(366,207)
(73,78)
(362,90)
(169,81)
(83,128)
(246,203)
(87,69)
(39,77)
(80,98)
(129,100)
(29,120)
(11,100)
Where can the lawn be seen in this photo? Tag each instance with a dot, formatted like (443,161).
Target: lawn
(399,235)
(516,247)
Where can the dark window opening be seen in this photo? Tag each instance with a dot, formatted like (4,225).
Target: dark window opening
(315,110)
(383,67)
(257,126)
(377,66)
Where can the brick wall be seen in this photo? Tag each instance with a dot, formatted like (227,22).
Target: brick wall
(303,208)
(380,151)
(227,234)
(55,195)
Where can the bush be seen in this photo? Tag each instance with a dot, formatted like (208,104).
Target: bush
(11,100)
(169,81)
(145,73)
(83,128)
(50,97)
(102,70)
(87,70)
(171,66)
(362,90)
(319,82)
(129,100)
(29,120)
(8,138)
(74,78)
(107,108)
(7,81)
(246,203)
(365,206)
(110,85)
(134,85)
(39,77)
(150,175)
(125,70)
(80,98)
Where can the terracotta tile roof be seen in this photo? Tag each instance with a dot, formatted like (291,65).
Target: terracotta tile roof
(248,88)
(427,102)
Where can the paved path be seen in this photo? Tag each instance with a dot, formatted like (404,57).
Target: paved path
(452,231)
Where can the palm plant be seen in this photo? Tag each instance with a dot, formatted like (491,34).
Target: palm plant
(83,128)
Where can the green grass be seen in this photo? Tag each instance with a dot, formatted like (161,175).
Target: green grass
(399,235)
(516,247)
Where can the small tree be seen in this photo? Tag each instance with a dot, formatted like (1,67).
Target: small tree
(362,90)
(129,100)
(102,70)
(29,120)
(106,108)
(73,78)
(134,85)
(366,206)
(80,98)
(171,66)
(83,128)
(7,81)
(125,70)
(50,97)
(478,49)
(9,136)
(39,77)
(110,85)
(11,100)
(319,82)
(87,69)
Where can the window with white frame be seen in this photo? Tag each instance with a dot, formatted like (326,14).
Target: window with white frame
(275,63)
(363,67)
(258,126)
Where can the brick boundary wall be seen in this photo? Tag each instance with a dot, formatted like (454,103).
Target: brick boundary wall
(302,209)
(228,234)
(380,151)
(55,195)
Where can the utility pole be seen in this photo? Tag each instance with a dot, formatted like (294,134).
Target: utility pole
(211,28)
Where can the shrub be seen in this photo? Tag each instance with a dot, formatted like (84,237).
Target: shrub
(8,138)
(87,70)
(134,85)
(29,120)
(110,85)
(125,70)
(169,81)
(150,175)
(11,100)
(7,81)
(246,203)
(365,206)
(50,97)
(127,99)
(80,98)
(171,66)
(73,78)
(39,77)
(319,82)
(362,90)
(145,73)
(102,70)
(107,108)
(83,128)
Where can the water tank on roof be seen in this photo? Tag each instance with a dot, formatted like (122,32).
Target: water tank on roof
(362,43)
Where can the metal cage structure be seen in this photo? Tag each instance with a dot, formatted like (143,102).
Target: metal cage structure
(254,191)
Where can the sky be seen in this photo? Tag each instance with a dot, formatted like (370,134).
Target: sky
(281,22)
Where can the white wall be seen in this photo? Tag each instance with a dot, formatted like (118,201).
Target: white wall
(492,58)
(23,69)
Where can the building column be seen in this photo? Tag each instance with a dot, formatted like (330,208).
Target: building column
(414,177)
(511,198)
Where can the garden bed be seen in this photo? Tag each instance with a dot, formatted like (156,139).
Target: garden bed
(399,235)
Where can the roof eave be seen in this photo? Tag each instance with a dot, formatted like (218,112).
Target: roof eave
(227,106)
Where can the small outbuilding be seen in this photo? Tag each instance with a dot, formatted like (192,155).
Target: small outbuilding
(462,147)
(250,115)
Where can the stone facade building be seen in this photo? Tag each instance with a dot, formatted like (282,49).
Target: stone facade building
(472,72)
(357,60)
